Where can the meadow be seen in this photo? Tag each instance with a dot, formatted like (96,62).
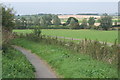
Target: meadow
(105,36)
(67,63)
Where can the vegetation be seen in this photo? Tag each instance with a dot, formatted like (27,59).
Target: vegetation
(15,65)
(85,59)
(68,63)
(52,21)
(7,18)
(106,22)
(91,22)
(105,36)
(7,25)
(84,24)
(56,20)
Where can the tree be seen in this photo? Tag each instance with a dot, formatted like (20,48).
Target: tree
(91,21)
(37,21)
(7,18)
(73,24)
(56,20)
(48,19)
(116,23)
(69,20)
(84,24)
(23,23)
(43,22)
(106,21)
(7,26)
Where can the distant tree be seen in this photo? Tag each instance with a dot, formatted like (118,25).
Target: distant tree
(48,19)
(29,22)
(69,20)
(91,21)
(17,23)
(84,23)
(23,23)
(37,21)
(116,22)
(56,20)
(73,24)
(106,21)
(43,22)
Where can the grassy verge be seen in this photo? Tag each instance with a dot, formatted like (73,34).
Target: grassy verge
(15,65)
(68,63)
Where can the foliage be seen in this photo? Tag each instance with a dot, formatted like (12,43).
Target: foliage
(91,21)
(74,24)
(48,19)
(15,65)
(84,24)
(7,18)
(99,51)
(67,62)
(69,20)
(7,26)
(116,23)
(106,21)
(56,20)
(37,31)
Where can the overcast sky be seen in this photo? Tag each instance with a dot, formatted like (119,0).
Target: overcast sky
(60,0)
(62,6)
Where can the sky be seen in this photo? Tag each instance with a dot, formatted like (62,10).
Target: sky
(28,8)
(59,0)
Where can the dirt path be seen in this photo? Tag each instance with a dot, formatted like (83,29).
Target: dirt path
(59,37)
(42,69)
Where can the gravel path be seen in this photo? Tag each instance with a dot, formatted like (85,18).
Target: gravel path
(42,69)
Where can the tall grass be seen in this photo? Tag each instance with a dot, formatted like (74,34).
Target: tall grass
(15,65)
(99,51)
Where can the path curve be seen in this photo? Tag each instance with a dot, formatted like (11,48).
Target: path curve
(42,70)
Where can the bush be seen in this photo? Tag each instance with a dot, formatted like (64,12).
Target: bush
(37,31)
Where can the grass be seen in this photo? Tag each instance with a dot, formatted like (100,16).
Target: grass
(67,63)
(0,64)
(106,36)
(15,65)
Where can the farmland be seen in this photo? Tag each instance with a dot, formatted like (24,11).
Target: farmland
(59,44)
(107,36)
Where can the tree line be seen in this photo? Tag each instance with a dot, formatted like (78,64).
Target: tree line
(48,21)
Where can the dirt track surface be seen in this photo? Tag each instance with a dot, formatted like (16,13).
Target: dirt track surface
(59,37)
(42,70)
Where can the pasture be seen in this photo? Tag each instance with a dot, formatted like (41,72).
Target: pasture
(105,36)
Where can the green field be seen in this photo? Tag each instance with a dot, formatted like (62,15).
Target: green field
(106,36)
(15,65)
(69,64)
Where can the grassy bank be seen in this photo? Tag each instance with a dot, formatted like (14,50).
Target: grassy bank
(15,65)
(107,36)
(67,63)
